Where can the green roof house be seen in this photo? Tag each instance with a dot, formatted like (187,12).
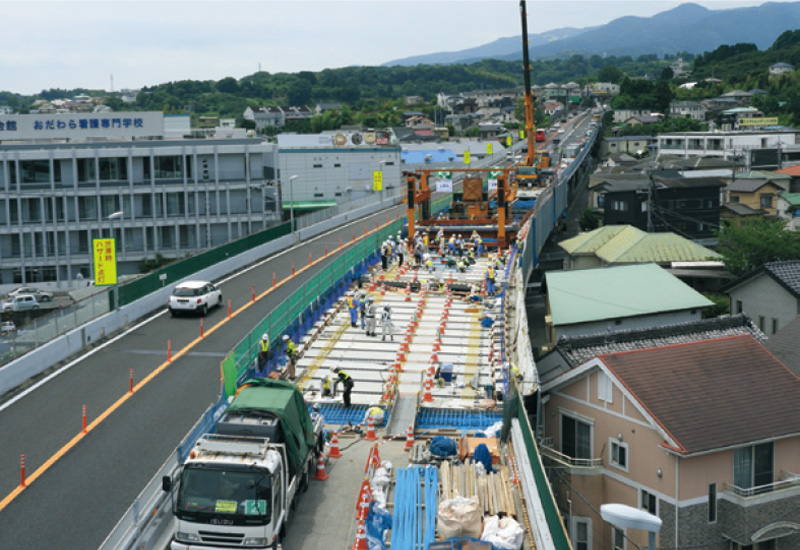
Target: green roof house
(592,301)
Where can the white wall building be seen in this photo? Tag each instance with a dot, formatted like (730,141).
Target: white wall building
(722,144)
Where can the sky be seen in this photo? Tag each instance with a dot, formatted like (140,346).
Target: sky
(72,44)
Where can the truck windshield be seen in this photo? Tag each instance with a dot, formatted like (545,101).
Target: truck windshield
(239,494)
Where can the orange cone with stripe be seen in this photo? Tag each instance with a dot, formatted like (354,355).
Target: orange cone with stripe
(334,452)
(409,439)
(370,431)
(361,537)
(320,475)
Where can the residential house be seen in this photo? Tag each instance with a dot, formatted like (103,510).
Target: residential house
(730,145)
(705,435)
(757,194)
(794,173)
(789,209)
(589,301)
(720,103)
(637,120)
(690,109)
(623,244)
(621,115)
(770,295)
(411,100)
(265,117)
(411,114)
(620,159)
(573,351)
(741,97)
(461,122)
(601,89)
(419,122)
(777,69)
(730,211)
(322,107)
(489,130)
(552,108)
(783,181)
(555,92)
(636,145)
(687,206)
(6,110)
(297,112)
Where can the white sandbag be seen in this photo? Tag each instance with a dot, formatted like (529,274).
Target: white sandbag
(494,429)
(505,534)
(459,517)
(381,478)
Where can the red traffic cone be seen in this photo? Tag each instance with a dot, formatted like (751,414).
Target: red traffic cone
(361,537)
(334,452)
(320,475)
(371,431)
(427,397)
(409,439)
(363,507)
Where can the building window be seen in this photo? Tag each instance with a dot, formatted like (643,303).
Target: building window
(774,326)
(739,307)
(712,503)
(766,201)
(576,438)
(761,324)
(582,533)
(113,169)
(605,388)
(753,467)
(618,452)
(648,502)
(618,538)
(734,199)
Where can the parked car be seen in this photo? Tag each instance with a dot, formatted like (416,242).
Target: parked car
(41,295)
(7,327)
(194,297)
(21,302)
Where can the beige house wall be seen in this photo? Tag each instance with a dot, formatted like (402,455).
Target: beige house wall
(753,200)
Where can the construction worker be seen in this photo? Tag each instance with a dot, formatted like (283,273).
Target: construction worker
(429,263)
(401,250)
(386,323)
(263,351)
(376,413)
(462,265)
(347,381)
(328,385)
(291,356)
(514,373)
(384,256)
(471,255)
(490,275)
(370,314)
(362,306)
(352,306)
(425,242)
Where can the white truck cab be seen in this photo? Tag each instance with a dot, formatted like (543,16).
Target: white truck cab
(232,492)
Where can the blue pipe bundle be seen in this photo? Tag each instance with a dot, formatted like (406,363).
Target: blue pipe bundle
(410,528)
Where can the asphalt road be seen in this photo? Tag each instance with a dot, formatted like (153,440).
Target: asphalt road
(77,501)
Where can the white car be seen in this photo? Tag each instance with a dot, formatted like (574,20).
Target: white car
(194,297)
(21,302)
(7,327)
(41,295)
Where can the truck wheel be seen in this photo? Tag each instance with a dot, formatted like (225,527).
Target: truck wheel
(282,533)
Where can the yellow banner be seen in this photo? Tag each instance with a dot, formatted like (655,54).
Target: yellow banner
(466,157)
(105,262)
(508,141)
(377,181)
(522,134)
(488,148)
(762,121)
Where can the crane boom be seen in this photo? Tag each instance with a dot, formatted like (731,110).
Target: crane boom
(530,129)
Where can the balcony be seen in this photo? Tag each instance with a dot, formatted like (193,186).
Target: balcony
(548,451)
(788,480)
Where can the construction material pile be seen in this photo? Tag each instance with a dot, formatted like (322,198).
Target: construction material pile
(493,490)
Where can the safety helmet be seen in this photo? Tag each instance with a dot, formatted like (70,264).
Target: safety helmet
(285,337)
(387,308)
(350,293)
(265,336)
(370,299)
(336,369)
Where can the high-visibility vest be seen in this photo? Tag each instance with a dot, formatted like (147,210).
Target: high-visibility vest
(350,303)
(290,348)
(490,273)
(326,382)
(264,345)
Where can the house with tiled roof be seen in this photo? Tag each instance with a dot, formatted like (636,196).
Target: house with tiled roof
(783,345)
(757,194)
(794,174)
(572,351)
(588,301)
(705,435)
(770,295)
(777,69)
(625,244)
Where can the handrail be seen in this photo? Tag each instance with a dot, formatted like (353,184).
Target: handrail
(787,481)
(570,461)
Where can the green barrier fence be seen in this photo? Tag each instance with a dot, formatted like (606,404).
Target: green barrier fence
(514,408)
(175,271)
(315,292)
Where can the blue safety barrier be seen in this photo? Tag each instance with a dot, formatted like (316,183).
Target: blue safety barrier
(429,418)
(335,413)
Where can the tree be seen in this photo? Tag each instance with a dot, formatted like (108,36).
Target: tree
(610,73)
(589,220)
(722,305)
(749,243)
(299,93)
(228,85)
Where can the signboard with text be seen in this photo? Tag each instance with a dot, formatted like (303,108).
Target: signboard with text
(80,126)
(105,262)
(759,121)
(466,157)
(377,180)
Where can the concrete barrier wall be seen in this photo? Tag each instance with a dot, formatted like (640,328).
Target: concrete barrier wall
(61,348)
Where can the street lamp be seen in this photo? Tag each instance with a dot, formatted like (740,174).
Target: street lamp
(621,515)
(291,201)
(381,164)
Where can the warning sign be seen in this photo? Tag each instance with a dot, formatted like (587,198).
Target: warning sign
(105,261)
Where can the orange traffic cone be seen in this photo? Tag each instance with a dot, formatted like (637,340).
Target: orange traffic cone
(365,490)
(320,475)
(427,397)
(363,507)
(408,291)
(371,431)
(361,537)
(409,439)
(334,452)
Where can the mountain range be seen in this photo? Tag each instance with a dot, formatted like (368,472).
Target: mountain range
(687,28)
